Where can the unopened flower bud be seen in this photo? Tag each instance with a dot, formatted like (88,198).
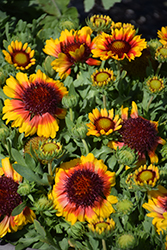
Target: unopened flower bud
(124,206)
(24,189)
(126,156)
(77,230)
(126,241)
(43,204)
(70,101)
(79,131)
(68,23)
(4,132)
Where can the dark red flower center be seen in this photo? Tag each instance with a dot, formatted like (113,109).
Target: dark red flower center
(9,198)
(40,98)
(21,58)
(71,47)
(85,187)
(119,47)
(104,123)
(139,134)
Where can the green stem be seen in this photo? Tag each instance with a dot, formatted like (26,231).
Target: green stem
(104,244)
(118,70)
(71,114)
(158,69)
(85,146)
(120,169)
(150,101)
(102,64)
(50,172)
(104,101)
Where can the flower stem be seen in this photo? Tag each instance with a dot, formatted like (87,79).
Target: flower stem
(50,172)
(118,70)
(104,101)
(71,114)
(158,68)
(104,244)
(120,169)
(85,146)
(149,102)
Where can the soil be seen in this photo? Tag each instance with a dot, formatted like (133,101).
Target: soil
(147,15)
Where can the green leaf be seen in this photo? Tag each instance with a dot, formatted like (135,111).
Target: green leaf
(39,228)
(50,7)
(17,210)
(18,157)
(109,3)
(69,123)
(30,161)
(27,173)
(88,5)
(64,244)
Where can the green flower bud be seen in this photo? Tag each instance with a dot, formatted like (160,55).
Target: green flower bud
(126,156)
(24,188)
(68,23)
(124,207)
(43,204)
(154,44)
(3,76)
(70,101)
(77,230)
(79,131)
(126,241)
(4,132)
(49,150)
(99,23)
(45,149)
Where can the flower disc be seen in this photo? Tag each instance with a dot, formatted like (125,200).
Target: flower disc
(9,198)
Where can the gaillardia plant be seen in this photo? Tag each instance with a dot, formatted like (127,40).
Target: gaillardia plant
(83,130)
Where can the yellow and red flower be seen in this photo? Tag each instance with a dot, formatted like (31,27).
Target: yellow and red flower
(103,122)
(102,77)
(139,134)
(162,34)
(35,103)
(9,199)
(72,47)
(120,25)
(146,175)
(122,43)
(155,84)
(101,227)
(157,200)
(20,55)
(82,190)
